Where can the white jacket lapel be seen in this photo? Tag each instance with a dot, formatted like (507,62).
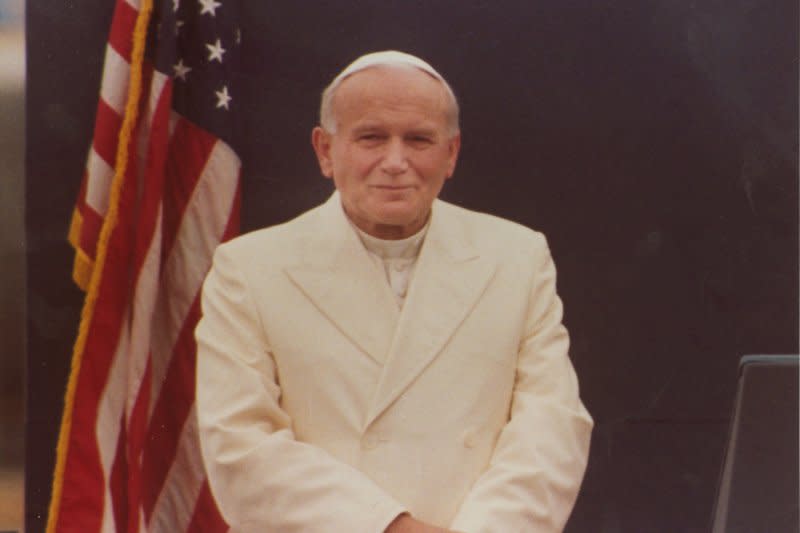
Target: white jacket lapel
(337,275)
(448,281)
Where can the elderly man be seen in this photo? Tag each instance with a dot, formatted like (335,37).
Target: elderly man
(388,361)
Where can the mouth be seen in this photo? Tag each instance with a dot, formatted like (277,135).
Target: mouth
(392,187)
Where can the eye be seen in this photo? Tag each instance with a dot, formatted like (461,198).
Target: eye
(420,140)
(370,138)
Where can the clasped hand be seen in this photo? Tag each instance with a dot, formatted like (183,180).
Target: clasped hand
(405,523)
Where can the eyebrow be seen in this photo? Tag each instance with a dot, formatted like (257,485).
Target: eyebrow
(370,127)
(367,127)
(423,131)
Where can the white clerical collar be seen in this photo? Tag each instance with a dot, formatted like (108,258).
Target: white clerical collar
(407,248)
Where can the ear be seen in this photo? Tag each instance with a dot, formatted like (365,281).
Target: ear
(454,145)
(321,141)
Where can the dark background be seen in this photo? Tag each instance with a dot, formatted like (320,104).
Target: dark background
(654,142)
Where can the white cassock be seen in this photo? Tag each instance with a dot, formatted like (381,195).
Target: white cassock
(324,406)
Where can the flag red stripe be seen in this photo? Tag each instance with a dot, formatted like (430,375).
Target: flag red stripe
(81,509)
(172,407)
(190,148)
(81,203)
(107,124)
(232,228)
(154,175)
(90,229)
(122,26)
(206,517)
(138,419)
(118,481)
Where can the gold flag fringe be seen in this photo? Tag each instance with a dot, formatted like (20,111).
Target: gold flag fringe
(84,265)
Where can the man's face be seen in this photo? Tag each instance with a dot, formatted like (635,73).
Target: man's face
(391,151)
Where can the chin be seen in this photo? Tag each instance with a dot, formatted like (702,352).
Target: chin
(396,217)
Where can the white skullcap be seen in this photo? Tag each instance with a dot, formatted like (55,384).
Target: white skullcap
(385,58)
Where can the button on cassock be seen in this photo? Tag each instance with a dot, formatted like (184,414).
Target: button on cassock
(470,438)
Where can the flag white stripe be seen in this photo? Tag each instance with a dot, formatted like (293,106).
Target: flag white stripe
(98,182)
(176,501)
(143,528)
(156,88)
(108,524)
(116,76)
(109,417)
(144,302)
(112,402)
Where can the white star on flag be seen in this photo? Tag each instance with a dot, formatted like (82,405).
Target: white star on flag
(215,51)
(223,98)
(175,4)
(181,70)
(209,6)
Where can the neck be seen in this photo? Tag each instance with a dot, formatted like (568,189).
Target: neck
(389,232)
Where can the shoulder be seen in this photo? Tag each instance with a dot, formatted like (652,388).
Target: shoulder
(277,241)
(491,233)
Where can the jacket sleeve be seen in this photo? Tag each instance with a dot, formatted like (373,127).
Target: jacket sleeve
(540,456)
(262,478)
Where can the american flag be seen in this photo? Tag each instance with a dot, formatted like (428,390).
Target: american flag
(160,192)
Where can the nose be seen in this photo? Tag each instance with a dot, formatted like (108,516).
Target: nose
(394,160)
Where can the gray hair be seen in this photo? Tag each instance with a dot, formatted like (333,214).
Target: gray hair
(387,58)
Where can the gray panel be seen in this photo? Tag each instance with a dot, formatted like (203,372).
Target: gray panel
(759,486)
